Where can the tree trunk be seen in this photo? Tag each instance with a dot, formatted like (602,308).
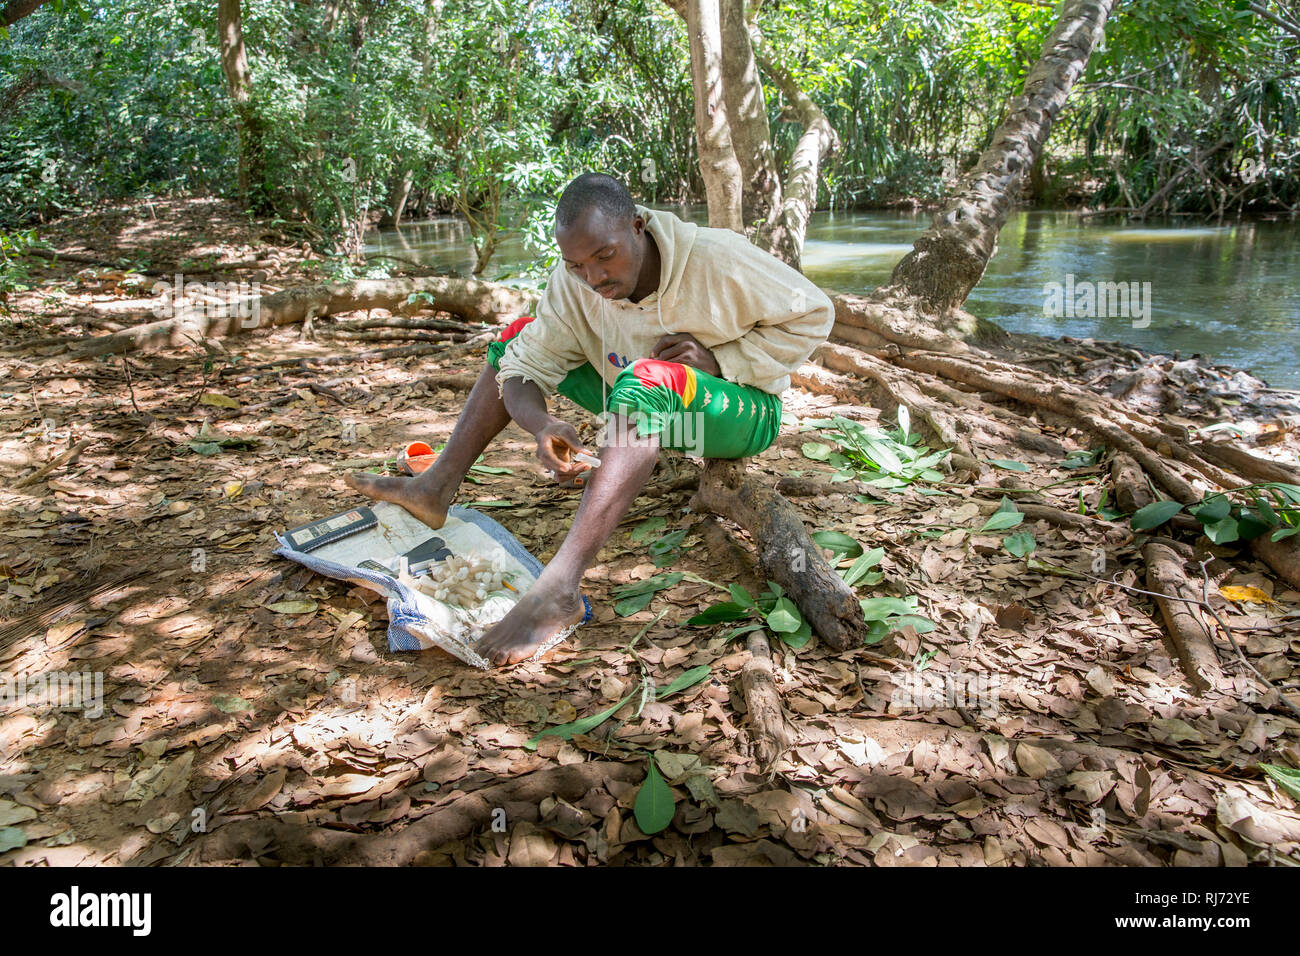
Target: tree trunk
(780,213)
(398,192)
(784,234)
(949,260)
(472,300)
(747,118)
(15,10)
(718,164)
(234,62)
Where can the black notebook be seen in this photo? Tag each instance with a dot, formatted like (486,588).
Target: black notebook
(316,534)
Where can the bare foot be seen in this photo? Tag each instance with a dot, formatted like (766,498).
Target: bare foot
(419,496)
(540,614)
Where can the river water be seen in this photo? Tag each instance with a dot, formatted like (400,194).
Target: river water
(1229,292)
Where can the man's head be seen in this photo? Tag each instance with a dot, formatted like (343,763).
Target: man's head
(602,238)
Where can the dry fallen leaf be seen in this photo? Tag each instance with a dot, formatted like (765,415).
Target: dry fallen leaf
(1240,594)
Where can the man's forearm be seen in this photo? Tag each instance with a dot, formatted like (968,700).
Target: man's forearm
(526,404)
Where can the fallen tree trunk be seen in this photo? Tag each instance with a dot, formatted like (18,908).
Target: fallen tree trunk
(470,299)
(787,553)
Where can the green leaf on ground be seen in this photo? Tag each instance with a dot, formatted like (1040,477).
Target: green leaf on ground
(1285,777)
(648,527)
(784,618)
(585,725)
(688,679)
(726,611)
(741,596)
(840,544)
(654,806)
(880,608)
(1002,520)
(1021,544)
(1008,465)
(1154,515)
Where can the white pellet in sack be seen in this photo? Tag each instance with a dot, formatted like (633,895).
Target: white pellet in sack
(460,581)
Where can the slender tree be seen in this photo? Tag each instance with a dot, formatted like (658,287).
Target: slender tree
(239,82)
(734,135)
(949,259)
(718,164)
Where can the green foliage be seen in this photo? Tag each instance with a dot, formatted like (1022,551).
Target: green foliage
(1007,516)
(1237,515)
(637,596)
(486,107)
(1288,778)
(1198,89)
(13,274)
(586,725)
(655,804)
(1021,544)
(889,460)
(777,614)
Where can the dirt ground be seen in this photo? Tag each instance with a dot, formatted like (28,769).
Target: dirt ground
(1043,722)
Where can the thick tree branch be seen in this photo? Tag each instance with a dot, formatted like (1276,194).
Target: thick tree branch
(950,257)
(15,10)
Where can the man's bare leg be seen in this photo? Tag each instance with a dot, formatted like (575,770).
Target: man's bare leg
(429,494)
(554,601)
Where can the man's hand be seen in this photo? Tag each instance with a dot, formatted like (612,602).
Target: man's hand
(557,443)
(685,348)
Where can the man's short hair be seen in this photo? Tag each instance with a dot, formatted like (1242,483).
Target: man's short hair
(594,190)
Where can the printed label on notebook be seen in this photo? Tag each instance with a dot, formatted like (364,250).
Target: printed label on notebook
(318,533)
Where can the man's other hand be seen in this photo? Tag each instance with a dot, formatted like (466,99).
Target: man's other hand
(685,348)
(557,443)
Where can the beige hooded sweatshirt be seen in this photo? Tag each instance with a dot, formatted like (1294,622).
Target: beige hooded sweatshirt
(760,318)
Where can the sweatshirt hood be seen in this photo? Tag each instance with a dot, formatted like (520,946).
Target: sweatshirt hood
(675,237)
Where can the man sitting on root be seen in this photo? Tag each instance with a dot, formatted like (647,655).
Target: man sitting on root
(677,335)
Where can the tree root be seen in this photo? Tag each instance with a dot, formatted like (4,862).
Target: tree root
(1282,556)
(891,323)
(901,390)
(944,368)
(469,298)
(769,729)
(1188,638)
(822,381)
(787,554)
(1247,465)
(1131,492)
(1146,445)
(1059,517)
(307,845)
